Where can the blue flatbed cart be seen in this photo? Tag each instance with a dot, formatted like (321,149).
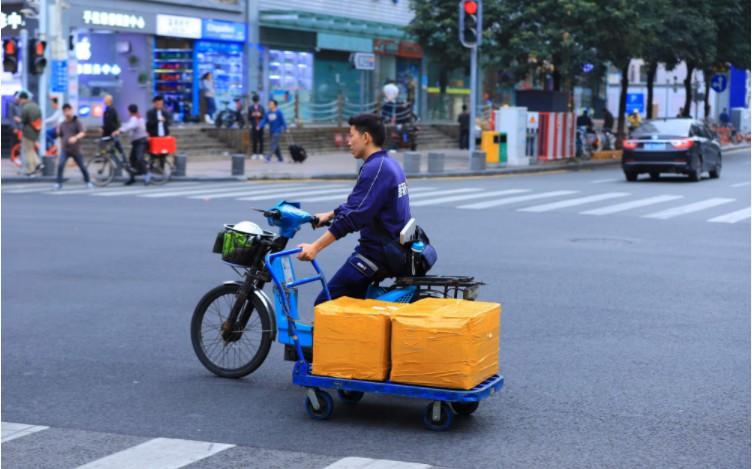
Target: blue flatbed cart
(437,416)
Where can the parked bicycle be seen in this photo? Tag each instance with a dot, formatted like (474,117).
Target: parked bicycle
(103,166)
(229,117)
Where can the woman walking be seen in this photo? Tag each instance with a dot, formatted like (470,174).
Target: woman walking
(207,86)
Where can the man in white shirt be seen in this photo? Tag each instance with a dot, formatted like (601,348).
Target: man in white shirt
(54,120)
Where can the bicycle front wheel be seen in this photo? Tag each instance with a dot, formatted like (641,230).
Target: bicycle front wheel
(245,348)
(101,170)
(160,170)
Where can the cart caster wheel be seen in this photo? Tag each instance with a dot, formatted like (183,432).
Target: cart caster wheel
(350,397)
(443,420)
(326,405)
(465,408)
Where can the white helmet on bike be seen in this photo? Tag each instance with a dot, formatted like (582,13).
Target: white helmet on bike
(248,227)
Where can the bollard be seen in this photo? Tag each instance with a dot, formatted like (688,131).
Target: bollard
(49,165)
(238,164)
(435,162)
(478,161)
(180,161)
(411,163)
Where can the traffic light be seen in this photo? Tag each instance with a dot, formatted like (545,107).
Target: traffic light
(37,62)
(470,18)
(10,55)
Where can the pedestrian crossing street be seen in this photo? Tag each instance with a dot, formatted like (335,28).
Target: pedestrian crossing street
(24,446)
(588,201)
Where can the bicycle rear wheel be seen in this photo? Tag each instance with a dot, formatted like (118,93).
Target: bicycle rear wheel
(101,170)
(160,170)
(245,348)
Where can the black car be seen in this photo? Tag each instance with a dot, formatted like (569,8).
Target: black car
(684,146)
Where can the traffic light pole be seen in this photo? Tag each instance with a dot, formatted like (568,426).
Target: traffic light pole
(473,96)
(24,85)
(44,79)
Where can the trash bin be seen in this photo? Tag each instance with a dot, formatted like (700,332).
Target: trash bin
(489,143)
(502,148)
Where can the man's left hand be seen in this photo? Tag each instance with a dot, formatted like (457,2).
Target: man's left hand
(308,253)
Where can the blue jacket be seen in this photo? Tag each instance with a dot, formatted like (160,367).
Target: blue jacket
(380,194)
(276,121)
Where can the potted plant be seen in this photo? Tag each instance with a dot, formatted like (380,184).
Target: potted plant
(143,77)
(133,61)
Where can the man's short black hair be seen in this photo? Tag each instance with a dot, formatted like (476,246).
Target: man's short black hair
(23,95)
(372,124)
(66,106)
(464,107)
(132,108)
(255,98)
(274,101)
(157,98)
(54,99)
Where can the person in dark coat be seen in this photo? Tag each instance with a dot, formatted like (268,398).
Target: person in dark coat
(111,122)
(158,119)
(256,113)
(464,120)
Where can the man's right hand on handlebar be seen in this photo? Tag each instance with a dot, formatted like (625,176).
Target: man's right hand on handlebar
(323,218)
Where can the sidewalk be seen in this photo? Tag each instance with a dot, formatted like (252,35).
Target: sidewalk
(339,165)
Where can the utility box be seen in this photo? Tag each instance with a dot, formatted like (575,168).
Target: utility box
(512,123)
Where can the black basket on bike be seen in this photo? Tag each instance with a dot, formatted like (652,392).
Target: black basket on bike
(237,247)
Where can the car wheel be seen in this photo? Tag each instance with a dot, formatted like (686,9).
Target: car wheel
(695,174)
(655,176)
(630,175)
(715,173)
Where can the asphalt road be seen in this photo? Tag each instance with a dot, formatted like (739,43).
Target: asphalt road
(625,331)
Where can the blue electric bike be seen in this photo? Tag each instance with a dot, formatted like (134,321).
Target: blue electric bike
(234,324)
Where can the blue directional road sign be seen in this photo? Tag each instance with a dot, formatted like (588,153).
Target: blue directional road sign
(719,82)
(635,101)
(59,76)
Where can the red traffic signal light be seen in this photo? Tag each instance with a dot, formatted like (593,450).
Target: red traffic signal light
(37,62)
(10,55)
(470,7)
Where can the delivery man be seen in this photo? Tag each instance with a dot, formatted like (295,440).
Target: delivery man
(378,203)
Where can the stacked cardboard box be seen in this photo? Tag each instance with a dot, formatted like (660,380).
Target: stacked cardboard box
(437,342)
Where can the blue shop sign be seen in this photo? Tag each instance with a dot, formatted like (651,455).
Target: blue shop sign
(218,30)
(59,76)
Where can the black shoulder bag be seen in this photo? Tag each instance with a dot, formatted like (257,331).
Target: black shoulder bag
(402,260)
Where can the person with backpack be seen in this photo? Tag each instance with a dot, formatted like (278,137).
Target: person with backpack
(276,121)
(70,131)
(31,119)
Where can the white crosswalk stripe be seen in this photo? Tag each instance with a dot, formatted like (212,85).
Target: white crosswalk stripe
(164,453)
(515,200)
(295,195)
(196,190)
(733,217)
(631,205)
(442,200)
(603,181)
(367,463)
(107,192)
(690,208)
(11,431)
(347,191)
(111,189)
(573,202)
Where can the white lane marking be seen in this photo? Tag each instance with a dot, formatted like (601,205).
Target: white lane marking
(514,200)
(442,200)
(289,194)
(573,202)
(602,181)
(733,217)
(685,209)
(741,184)
(444,192)
(141,190)
(345,193)
(11,431)
(40,187)
(164,453)
(258,190)
(66,191)
(367,463)
(205,191)
(630,205)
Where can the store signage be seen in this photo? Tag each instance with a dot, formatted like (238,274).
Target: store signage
(363,61)
(108,18)
(224,31)
(410,50)
(14,20)
(385,47)
(99,69)
(179,26)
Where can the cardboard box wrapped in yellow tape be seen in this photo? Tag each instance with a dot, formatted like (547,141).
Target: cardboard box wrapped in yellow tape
(445,343)
(352,338)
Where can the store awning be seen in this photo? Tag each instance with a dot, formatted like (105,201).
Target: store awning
(314,22)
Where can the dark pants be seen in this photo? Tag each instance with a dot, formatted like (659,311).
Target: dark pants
(51,136)
(138,148)
(257,140)
(274,150)
(64,159)
(348,281)
(464,139)
(211,108)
